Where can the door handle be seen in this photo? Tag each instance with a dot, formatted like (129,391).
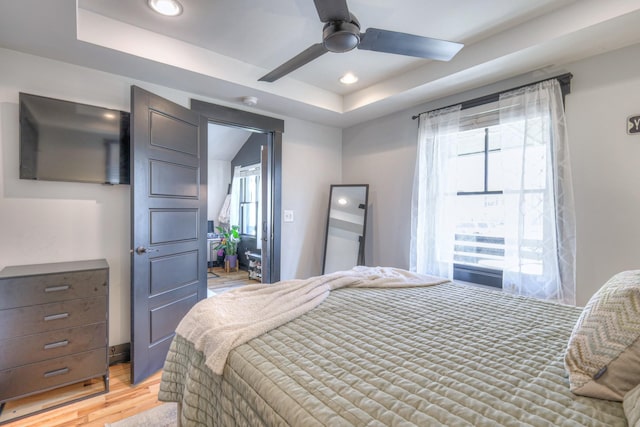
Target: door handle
(142,250)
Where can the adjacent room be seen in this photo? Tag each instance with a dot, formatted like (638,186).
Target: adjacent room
(319,212)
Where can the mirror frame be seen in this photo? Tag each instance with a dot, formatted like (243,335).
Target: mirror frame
(360,257)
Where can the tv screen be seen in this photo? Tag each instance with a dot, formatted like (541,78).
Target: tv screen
(67,141)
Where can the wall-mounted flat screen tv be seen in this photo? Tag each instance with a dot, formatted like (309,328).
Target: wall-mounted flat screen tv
(67,141)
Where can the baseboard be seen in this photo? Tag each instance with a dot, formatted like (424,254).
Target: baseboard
(119,353)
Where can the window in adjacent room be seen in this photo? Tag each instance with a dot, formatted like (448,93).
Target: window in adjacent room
(249,199)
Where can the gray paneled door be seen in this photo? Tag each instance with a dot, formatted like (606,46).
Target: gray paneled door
(168,225)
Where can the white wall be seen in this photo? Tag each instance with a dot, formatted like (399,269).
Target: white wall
(605,160)
(311,161)
(53,221)
(217,185)
(382,154)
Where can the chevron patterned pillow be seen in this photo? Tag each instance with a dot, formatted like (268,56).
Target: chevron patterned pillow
(603,354)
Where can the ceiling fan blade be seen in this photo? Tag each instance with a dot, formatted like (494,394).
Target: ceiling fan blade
(296,62)
(332,10)
(408,44)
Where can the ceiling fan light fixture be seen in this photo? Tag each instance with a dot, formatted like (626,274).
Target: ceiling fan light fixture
(166,7)
(341,36)
(348,79)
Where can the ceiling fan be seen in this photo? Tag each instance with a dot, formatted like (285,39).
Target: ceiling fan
(341,33)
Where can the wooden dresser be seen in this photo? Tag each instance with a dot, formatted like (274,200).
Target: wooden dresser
(53,326)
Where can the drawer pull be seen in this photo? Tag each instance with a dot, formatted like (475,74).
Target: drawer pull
(56,372)
(56,344)
(56,316)
(57,288)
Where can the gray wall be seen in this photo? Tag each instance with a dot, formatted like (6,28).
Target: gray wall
(249,154)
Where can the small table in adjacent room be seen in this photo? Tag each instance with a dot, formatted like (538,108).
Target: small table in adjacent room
(212,254)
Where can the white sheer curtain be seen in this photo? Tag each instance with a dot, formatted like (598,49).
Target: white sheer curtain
(539,213)
(434,192)
(230,211)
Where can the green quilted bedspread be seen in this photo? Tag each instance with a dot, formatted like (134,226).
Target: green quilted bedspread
(442,355)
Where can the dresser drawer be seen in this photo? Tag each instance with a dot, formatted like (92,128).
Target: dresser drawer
(46,288)
(17,322)
(38,347)
(42,376)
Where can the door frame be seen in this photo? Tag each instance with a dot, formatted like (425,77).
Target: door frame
(227,116)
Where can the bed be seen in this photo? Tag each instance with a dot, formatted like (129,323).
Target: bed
(426,355)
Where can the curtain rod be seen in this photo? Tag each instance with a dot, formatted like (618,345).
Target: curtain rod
(563,79)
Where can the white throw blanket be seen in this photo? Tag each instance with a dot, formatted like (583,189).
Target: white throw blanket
(219,324)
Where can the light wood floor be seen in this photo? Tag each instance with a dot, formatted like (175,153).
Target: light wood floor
(220,281)
(122,401)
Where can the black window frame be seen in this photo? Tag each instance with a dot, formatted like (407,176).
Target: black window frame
(470,273)
(243,204)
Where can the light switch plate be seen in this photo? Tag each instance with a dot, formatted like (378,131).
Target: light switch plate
(288,216)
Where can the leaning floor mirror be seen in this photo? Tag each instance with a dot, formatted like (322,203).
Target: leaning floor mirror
(346,226)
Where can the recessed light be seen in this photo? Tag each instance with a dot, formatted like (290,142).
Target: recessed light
(342,201)
(348,79)
(166,7)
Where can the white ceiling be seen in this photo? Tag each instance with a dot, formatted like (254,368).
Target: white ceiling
(225,141)
(219,48)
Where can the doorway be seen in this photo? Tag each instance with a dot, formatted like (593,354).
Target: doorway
(227,130)
(234,188)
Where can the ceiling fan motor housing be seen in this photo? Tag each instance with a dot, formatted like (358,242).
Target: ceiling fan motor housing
(341,36)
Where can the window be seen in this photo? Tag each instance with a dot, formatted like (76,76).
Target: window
(492,200)
(478,255)
(249,199)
